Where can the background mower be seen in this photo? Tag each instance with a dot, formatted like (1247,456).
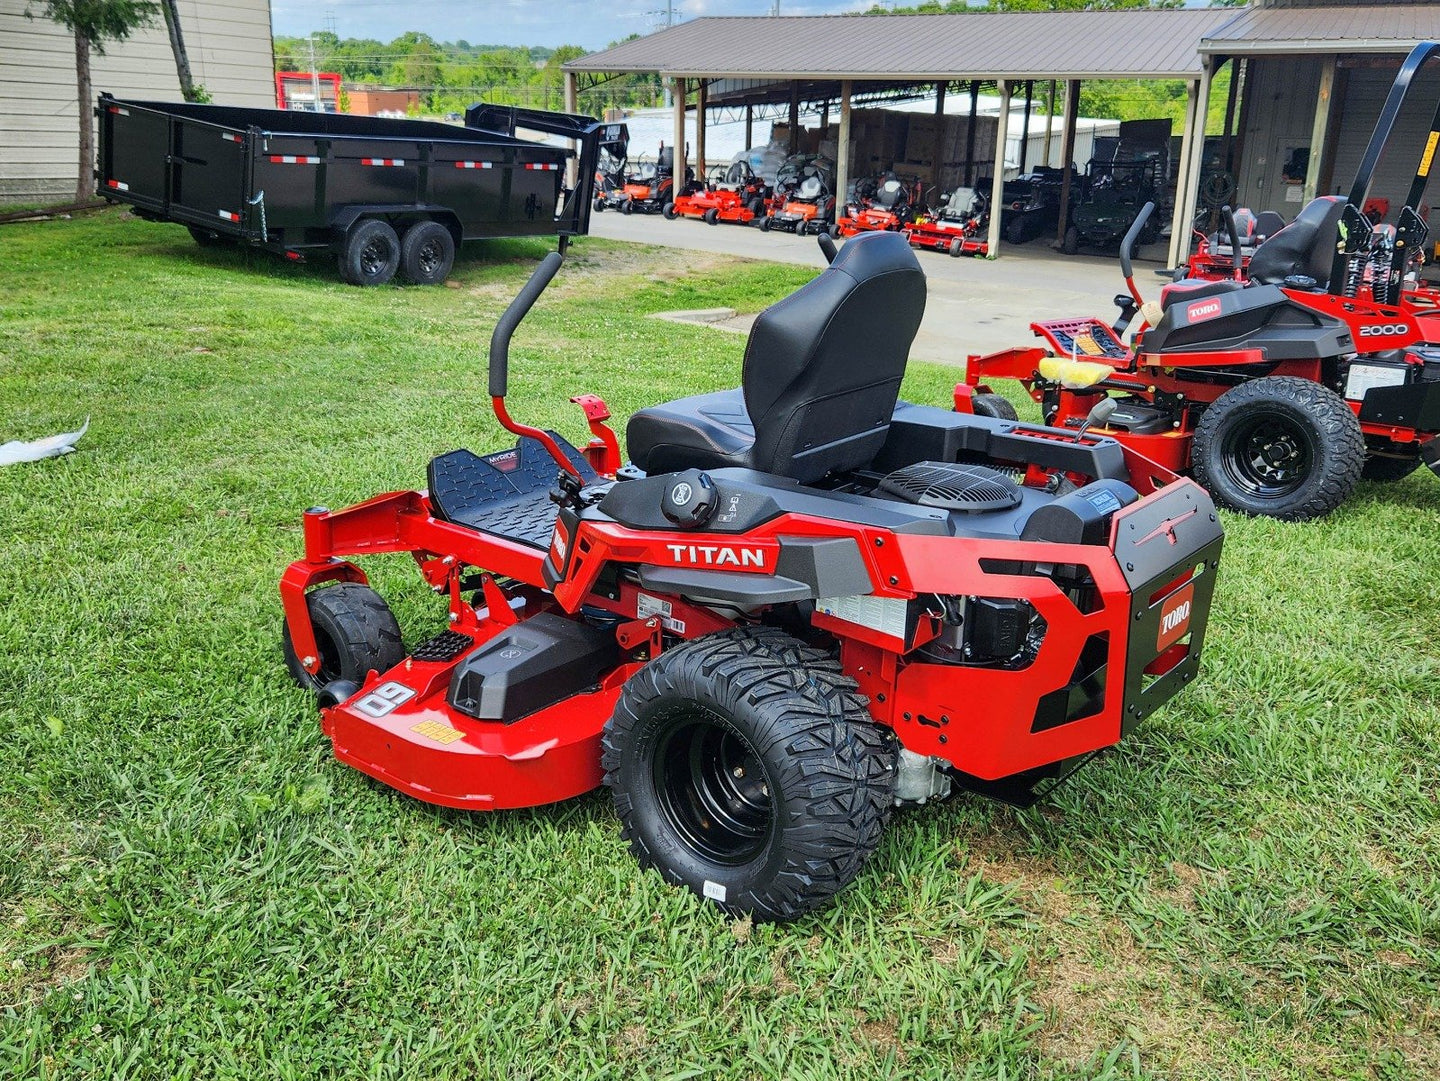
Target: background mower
(804,199)
(737,195)
(1032,202)
(886,201)
(1115,190)
(801,605)
(958,226)
(649,188)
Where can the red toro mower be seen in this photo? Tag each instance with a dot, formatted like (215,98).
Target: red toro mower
(804,199)
(738,195)
(802,605)
(884,202)
(1279,392)
(958,226)
(1214,257)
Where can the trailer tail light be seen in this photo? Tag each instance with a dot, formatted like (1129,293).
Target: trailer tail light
(118,185)
(382,161)
(295,256)
(294,159)
(543,166)
(228,216)
(474,165)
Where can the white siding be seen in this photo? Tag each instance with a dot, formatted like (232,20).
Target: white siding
(231,55)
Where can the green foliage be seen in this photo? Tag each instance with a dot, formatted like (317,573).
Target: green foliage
(192,887)
(451,75)
(97,21)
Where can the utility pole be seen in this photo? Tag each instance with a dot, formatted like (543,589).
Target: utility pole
(314,78)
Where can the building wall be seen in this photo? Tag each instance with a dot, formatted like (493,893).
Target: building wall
(1362,93)
(231,55)
(1279,119)
(374,102)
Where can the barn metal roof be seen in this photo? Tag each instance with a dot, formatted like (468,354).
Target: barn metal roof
(922,48)
(1375,28)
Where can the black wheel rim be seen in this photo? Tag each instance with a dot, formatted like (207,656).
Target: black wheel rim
(430,256)
(328,655)
(1268,455)
(712,788)
(374,257)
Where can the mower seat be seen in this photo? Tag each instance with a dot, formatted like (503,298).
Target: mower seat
(1187,289)
(1306,246)
(821,376)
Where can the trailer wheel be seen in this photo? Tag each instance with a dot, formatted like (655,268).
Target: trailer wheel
(669,211)
(372,253)
(427,253)
(355,631)
(996,406)
(1071,244)
(1279,446)
(209,238)
(748,774)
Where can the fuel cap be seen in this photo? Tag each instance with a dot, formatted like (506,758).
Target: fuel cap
(689,499)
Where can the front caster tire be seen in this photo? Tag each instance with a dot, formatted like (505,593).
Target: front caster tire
(996,406)
(764,224)
(744,767)
(668,211)
(355,631)
(1282,447)
(712,216)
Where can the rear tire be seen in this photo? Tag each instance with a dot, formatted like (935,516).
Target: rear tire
(372,253)
(355,632)
(427,253)
(744,767)
(996,406)
(1071,244)
(1015,231)
(756,207)
(1279,446)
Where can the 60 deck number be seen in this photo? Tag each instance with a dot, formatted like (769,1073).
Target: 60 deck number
(384,700)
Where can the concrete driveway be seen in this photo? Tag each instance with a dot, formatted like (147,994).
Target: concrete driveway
(974,306)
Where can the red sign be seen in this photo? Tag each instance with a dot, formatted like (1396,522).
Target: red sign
(1175,617)
(1202,310)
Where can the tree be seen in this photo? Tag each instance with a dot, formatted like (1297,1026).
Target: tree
(94,23)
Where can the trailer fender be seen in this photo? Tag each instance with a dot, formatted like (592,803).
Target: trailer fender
(397,214)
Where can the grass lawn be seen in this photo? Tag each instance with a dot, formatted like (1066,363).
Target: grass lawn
(190,886)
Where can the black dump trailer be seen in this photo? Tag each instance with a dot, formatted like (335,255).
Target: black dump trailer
(381,195)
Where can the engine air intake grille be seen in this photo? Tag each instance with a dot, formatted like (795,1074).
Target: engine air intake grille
(961,487)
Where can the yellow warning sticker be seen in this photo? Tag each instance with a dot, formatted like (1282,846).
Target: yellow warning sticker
(438,731)
(1429,153)
(1085,343)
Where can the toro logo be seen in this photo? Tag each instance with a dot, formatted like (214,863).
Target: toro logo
(716,555)
(1202,310)
(1384,330)
(1175,617)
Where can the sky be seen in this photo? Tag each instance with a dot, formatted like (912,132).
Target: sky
(591,24)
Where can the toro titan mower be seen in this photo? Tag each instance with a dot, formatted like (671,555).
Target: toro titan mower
(958,226)
(1281,391)
(802,604)
(738,195)
(647,190)
(883,202)
(804,199)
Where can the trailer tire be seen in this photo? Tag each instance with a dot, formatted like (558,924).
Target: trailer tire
(1071,244)
(355,631)
(209,238)
(692,724)
(427,253)
(1279,446)
(372,253)
(996,406)
(712,216)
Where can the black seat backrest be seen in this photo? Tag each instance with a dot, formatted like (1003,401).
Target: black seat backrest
(823,366)
(1305,246)
(1267,224)
(665,161)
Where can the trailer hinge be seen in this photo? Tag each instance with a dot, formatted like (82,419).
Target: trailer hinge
(259,201)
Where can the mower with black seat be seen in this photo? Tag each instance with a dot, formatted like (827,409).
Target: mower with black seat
(649,189)
(804,199)
(801,605)
(737,194)
(958,227)
(883,202)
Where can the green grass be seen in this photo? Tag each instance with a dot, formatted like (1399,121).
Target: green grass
(191,887)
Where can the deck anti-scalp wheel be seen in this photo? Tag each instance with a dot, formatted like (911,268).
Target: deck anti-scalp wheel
(994,405)
(744,767)
(1279,446)
(355,632)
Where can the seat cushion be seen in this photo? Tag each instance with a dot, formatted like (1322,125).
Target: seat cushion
(707,431)
(1196,289)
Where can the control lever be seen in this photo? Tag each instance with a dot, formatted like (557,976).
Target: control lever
(827,246)
(1098,415)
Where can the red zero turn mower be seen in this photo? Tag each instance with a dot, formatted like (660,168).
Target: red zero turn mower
(1281,391)
(803,605)
(804,200)
(886,201)
(738,196)
(957,227)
